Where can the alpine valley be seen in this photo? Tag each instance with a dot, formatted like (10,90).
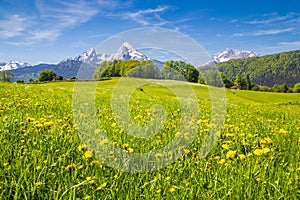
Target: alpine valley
(264,70)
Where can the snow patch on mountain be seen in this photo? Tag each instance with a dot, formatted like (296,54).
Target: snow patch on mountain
(231,54)
(13,65)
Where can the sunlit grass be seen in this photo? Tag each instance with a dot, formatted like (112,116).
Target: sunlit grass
(256,157)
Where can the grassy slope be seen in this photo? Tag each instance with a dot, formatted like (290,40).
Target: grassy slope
(41,159)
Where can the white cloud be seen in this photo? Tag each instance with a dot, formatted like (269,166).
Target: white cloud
(291,44)
(13,25)
(264,32)
(147,17)
(272,31)
(270,20)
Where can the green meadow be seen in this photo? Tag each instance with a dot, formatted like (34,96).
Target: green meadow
(43,156)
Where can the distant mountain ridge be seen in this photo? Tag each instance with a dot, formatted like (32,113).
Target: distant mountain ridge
(13,65)
(69,67)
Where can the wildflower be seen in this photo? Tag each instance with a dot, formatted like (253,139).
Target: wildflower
(38,183)
(130,150)
(241,156)
(39,125)
(113,125)
(103,185)
(266,150)
(225,146)
(71,166)
(87,197)
(258,152)
(167,178)
(222,161)
(125,145)
(48,124)
(81,147)
(95,162)
(87,154)
(187,151)
(230,154)
(217,157)
(268,140)
(5,164)
(229,134)
(38,167)
(158,191)
(282,131)
(172,189)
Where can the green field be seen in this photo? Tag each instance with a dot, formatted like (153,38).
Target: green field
(43,157)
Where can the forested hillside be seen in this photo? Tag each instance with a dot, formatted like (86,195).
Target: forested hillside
(266,70)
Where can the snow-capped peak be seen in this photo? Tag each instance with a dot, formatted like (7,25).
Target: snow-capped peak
(13,65)
(231,54)
(125,52)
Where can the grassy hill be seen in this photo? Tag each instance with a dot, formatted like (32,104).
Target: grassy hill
(266,70)
(45,155)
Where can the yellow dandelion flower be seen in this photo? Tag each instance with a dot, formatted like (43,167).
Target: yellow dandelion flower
(87,154)
(217,157)
(130,150)
(113,125)
(71,166)
(222,161)
(48,124)
(81,147)
(167,178)
(172,189)
(95,162)
(282,131)
(38,167)
(241,156)
(225,146)
(258,152)
(268,140)
(158,191)
(125,145)
(39,125)
(5,164)
(229,134)
(103,185)
(87,197)
(266,150)
(187,151)
(230,154)
(38,183)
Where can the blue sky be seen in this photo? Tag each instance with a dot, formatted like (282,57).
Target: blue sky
(50,30)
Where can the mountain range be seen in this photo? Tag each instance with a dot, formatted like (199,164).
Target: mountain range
(69,67)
